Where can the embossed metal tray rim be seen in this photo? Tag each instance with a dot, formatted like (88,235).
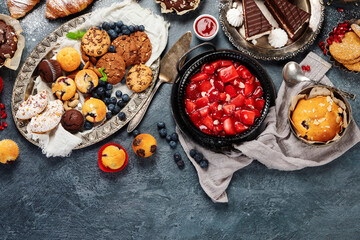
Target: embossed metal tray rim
(268,55)
(25,77)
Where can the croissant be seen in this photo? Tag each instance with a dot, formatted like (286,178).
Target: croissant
(63,8)
(18,8)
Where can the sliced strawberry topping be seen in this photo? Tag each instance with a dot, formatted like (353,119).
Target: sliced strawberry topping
(229,109)
(218,114)
(238,101)
(219,85)
(258,92)
(216,64)
(196,118)
(250,103)
(249,89)
(229,126)
(214,106)
(205,86)
(222,96)
(230,89)
(226,63)
(239,127)
(259,104)
(217,129)
(209,122)
(202,102)
(248,117)
(204,112)
(190,106)
(214,96)
(245,74)
(199,77)
(228,74)
(209,69)
(193,91)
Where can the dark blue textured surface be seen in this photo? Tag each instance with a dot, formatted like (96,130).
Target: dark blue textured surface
(70,198)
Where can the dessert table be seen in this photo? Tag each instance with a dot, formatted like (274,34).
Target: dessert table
(68,198)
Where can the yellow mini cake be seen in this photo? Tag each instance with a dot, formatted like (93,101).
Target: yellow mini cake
(86,80)
(64,88)
(94,110)
(69,59)
(317,119)
(113,157)
(144,145)
(9,151)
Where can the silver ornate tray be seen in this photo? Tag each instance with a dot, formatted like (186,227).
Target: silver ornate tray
(24,85)
(262,50)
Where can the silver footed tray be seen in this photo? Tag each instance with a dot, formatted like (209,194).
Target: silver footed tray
(262,50)
(24,87)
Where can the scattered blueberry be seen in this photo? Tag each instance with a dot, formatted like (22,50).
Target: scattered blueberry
(198,157)
(105,26)
(100,91)
(126,32)
(174,136)
(112,25)
(177,157)
(109,86)
(108,93)
(180,164)
(107,101)
(193,152)
(132,28)
(135,132)
(204,163)
(117,30)
(125,98)
(119,24)
(163,132)
(112,49)
(88,125)
(111,107)
(160,125)
(172,144)
(113,100)
(136,28)
(108,115)
(112,34)
(168,138)
(102,83)
(123,81)
(118,94)
(124,27)
(81,67)
(141,28)
(116,110)
(95,95)
(122,116)
(120,103)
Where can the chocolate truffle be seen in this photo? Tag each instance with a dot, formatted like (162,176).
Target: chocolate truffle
(72,121)
(8,42)
(50,70)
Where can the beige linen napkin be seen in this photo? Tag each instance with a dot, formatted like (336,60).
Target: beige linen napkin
(276,147)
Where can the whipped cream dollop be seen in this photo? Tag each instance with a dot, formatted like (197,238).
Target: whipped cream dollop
(278,38)
(235,17)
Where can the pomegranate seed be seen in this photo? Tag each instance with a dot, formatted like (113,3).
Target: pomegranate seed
(324,52)
(322,47)
(307,68)
(340,9)
(4,124)
(3,116)
(2,112)
(341,35)
(321,43)
(303,68)
(329,41)
(1,128)
(2,106)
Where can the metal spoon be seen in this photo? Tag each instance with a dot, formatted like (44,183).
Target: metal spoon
(292,74)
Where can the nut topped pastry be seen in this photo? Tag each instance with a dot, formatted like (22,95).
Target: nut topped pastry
(8,42)
(179,6)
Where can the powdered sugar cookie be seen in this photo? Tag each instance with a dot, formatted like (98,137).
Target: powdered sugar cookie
(49,119)
(33,106)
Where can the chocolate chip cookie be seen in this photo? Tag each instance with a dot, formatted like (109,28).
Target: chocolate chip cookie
(139,78)
(143,45)
(95,42)
(126,47)
(114,67)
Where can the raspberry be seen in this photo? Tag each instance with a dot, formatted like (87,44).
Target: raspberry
(303,68)
(307,68)
(4,124)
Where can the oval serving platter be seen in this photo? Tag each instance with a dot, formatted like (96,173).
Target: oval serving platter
(24,84)
(262,50)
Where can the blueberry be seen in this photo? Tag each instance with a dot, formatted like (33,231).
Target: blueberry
(108,93)
(116,110)
(112,49)
(108,115)
(105,26)
(124,27)
(112,34)
(172,144)
(163,132)
(111,107)
(107,101)
(112,25)
(193,152)
(180,164)
(122,116)
(126,32)
(119,24)
(118,94)
(113,100)
(81,67)
(120,34)
(117,30)
(136,28)
(99,27)
(123,81)
(95,95)
(160,125)
(198,157)
(174,136)
(125,98)
(204,163)
(168,138)
(102,83)
(88,125)
(100,91)
(177,157)
(135,132)
(120,103)
(109,86)
(132,28)
(141,28)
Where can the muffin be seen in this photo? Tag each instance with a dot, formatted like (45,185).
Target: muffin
(317,119)
(113,157)
(64,88)
(9,151)
(94,110)
(69,59)
(49,70)
(86,80)
(72,121)
(144,145)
